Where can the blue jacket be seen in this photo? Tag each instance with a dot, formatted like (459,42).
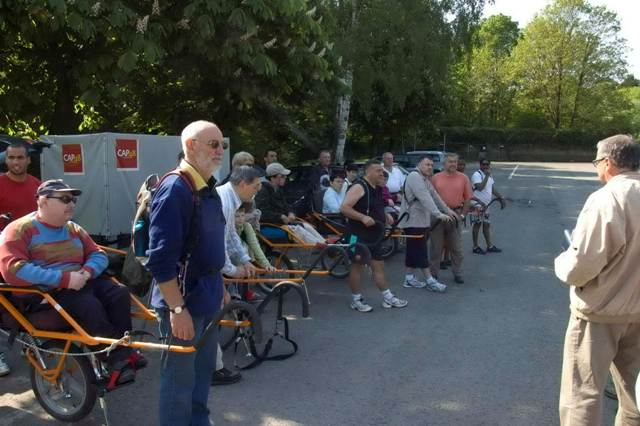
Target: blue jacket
(171,214)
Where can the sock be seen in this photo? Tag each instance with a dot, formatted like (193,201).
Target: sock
(356,296)
(387,294)
(408,277)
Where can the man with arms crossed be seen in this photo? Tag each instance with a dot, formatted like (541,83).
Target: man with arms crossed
(363,206)
(188,293)
(601,268)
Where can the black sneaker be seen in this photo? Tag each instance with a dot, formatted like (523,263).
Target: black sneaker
(493,249)
(458,279)
(225,376)
(478,250)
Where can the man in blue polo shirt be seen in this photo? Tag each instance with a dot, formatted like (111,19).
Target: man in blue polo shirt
(188,294)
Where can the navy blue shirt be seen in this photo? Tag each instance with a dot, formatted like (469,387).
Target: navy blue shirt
(171,213)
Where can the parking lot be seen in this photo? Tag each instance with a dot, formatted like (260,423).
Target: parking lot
(487,352)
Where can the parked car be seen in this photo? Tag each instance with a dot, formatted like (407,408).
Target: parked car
(409,160)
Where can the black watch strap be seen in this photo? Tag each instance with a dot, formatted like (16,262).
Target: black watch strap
(178,308)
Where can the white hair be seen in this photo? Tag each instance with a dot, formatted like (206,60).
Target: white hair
(193,130)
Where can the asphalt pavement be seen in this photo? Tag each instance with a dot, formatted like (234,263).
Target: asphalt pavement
(487,352)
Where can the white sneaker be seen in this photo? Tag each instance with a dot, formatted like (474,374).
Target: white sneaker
(360,305)
(4,367)
(393,302)
(413,283)
(436,286)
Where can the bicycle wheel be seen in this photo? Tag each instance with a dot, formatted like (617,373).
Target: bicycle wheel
(388,247)
(335,261)
(279,261)
(229,334)
(74,394)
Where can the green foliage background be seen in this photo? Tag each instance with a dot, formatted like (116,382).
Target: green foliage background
(270,72)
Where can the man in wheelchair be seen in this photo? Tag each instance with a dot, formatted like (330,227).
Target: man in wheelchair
(46,248)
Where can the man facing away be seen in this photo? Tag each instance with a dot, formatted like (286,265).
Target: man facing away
(601,268)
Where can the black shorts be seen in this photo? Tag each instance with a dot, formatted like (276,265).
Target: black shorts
(416,253)
(374,251)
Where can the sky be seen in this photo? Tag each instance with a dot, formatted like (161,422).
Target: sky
(628,11)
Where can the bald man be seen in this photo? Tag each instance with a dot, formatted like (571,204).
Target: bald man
(188,293)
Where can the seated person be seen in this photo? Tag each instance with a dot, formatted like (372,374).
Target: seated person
(334,195)
(249,239)
(275,208)
(46,248)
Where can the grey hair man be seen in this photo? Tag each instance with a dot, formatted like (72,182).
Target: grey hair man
(601,268)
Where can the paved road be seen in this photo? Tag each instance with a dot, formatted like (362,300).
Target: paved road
(487,352)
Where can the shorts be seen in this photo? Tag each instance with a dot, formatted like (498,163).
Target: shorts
(478,215)
(374,252)
(416,253)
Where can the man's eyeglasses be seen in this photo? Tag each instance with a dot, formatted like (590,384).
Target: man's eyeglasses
(597,161)
(484,164)
(65,199)
(215,144)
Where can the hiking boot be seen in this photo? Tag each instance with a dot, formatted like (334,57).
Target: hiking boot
(413,283)
(393,302)
(360,305)
(478,250)
(4,367)
(493,249)
(224,376)
(434,285)
(458,279)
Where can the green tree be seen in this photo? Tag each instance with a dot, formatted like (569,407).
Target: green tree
(153,66)
(567,63)
(481,81)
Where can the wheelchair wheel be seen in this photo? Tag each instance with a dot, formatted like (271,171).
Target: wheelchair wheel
(74,394)
(279,261)
(335,261)
(388,247)
(227,336)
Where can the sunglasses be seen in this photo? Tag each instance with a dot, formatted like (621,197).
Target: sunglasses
(597,161)
(65,199)
(215,144)
(485,164)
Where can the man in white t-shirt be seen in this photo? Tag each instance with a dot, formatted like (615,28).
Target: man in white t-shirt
(396,177)
(483,192)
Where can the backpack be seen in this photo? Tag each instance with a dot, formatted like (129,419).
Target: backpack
(135,274)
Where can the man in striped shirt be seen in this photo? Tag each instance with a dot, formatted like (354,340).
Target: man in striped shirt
(46,248)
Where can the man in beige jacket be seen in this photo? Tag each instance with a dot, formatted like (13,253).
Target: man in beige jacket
(601,266)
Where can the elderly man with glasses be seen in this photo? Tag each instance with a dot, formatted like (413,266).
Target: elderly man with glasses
(601,268)
(46,248)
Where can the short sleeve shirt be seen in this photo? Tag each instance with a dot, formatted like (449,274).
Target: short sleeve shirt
(454,189)
(17,198)
(486,194)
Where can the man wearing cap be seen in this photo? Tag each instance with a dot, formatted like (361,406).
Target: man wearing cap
(46,248)
(275,209)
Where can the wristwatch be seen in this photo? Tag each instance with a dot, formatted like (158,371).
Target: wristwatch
(177,309)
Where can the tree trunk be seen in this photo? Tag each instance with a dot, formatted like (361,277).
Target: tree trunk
(344,101)
(344,107)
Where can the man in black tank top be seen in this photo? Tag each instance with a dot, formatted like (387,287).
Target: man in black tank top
(364,208)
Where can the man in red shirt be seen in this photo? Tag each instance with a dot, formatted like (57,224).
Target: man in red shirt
(17,187)
(455,190)
(17,197)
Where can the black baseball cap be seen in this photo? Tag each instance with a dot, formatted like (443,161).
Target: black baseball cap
(56,185)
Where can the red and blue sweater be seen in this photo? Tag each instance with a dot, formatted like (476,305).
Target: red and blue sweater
(33,252)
